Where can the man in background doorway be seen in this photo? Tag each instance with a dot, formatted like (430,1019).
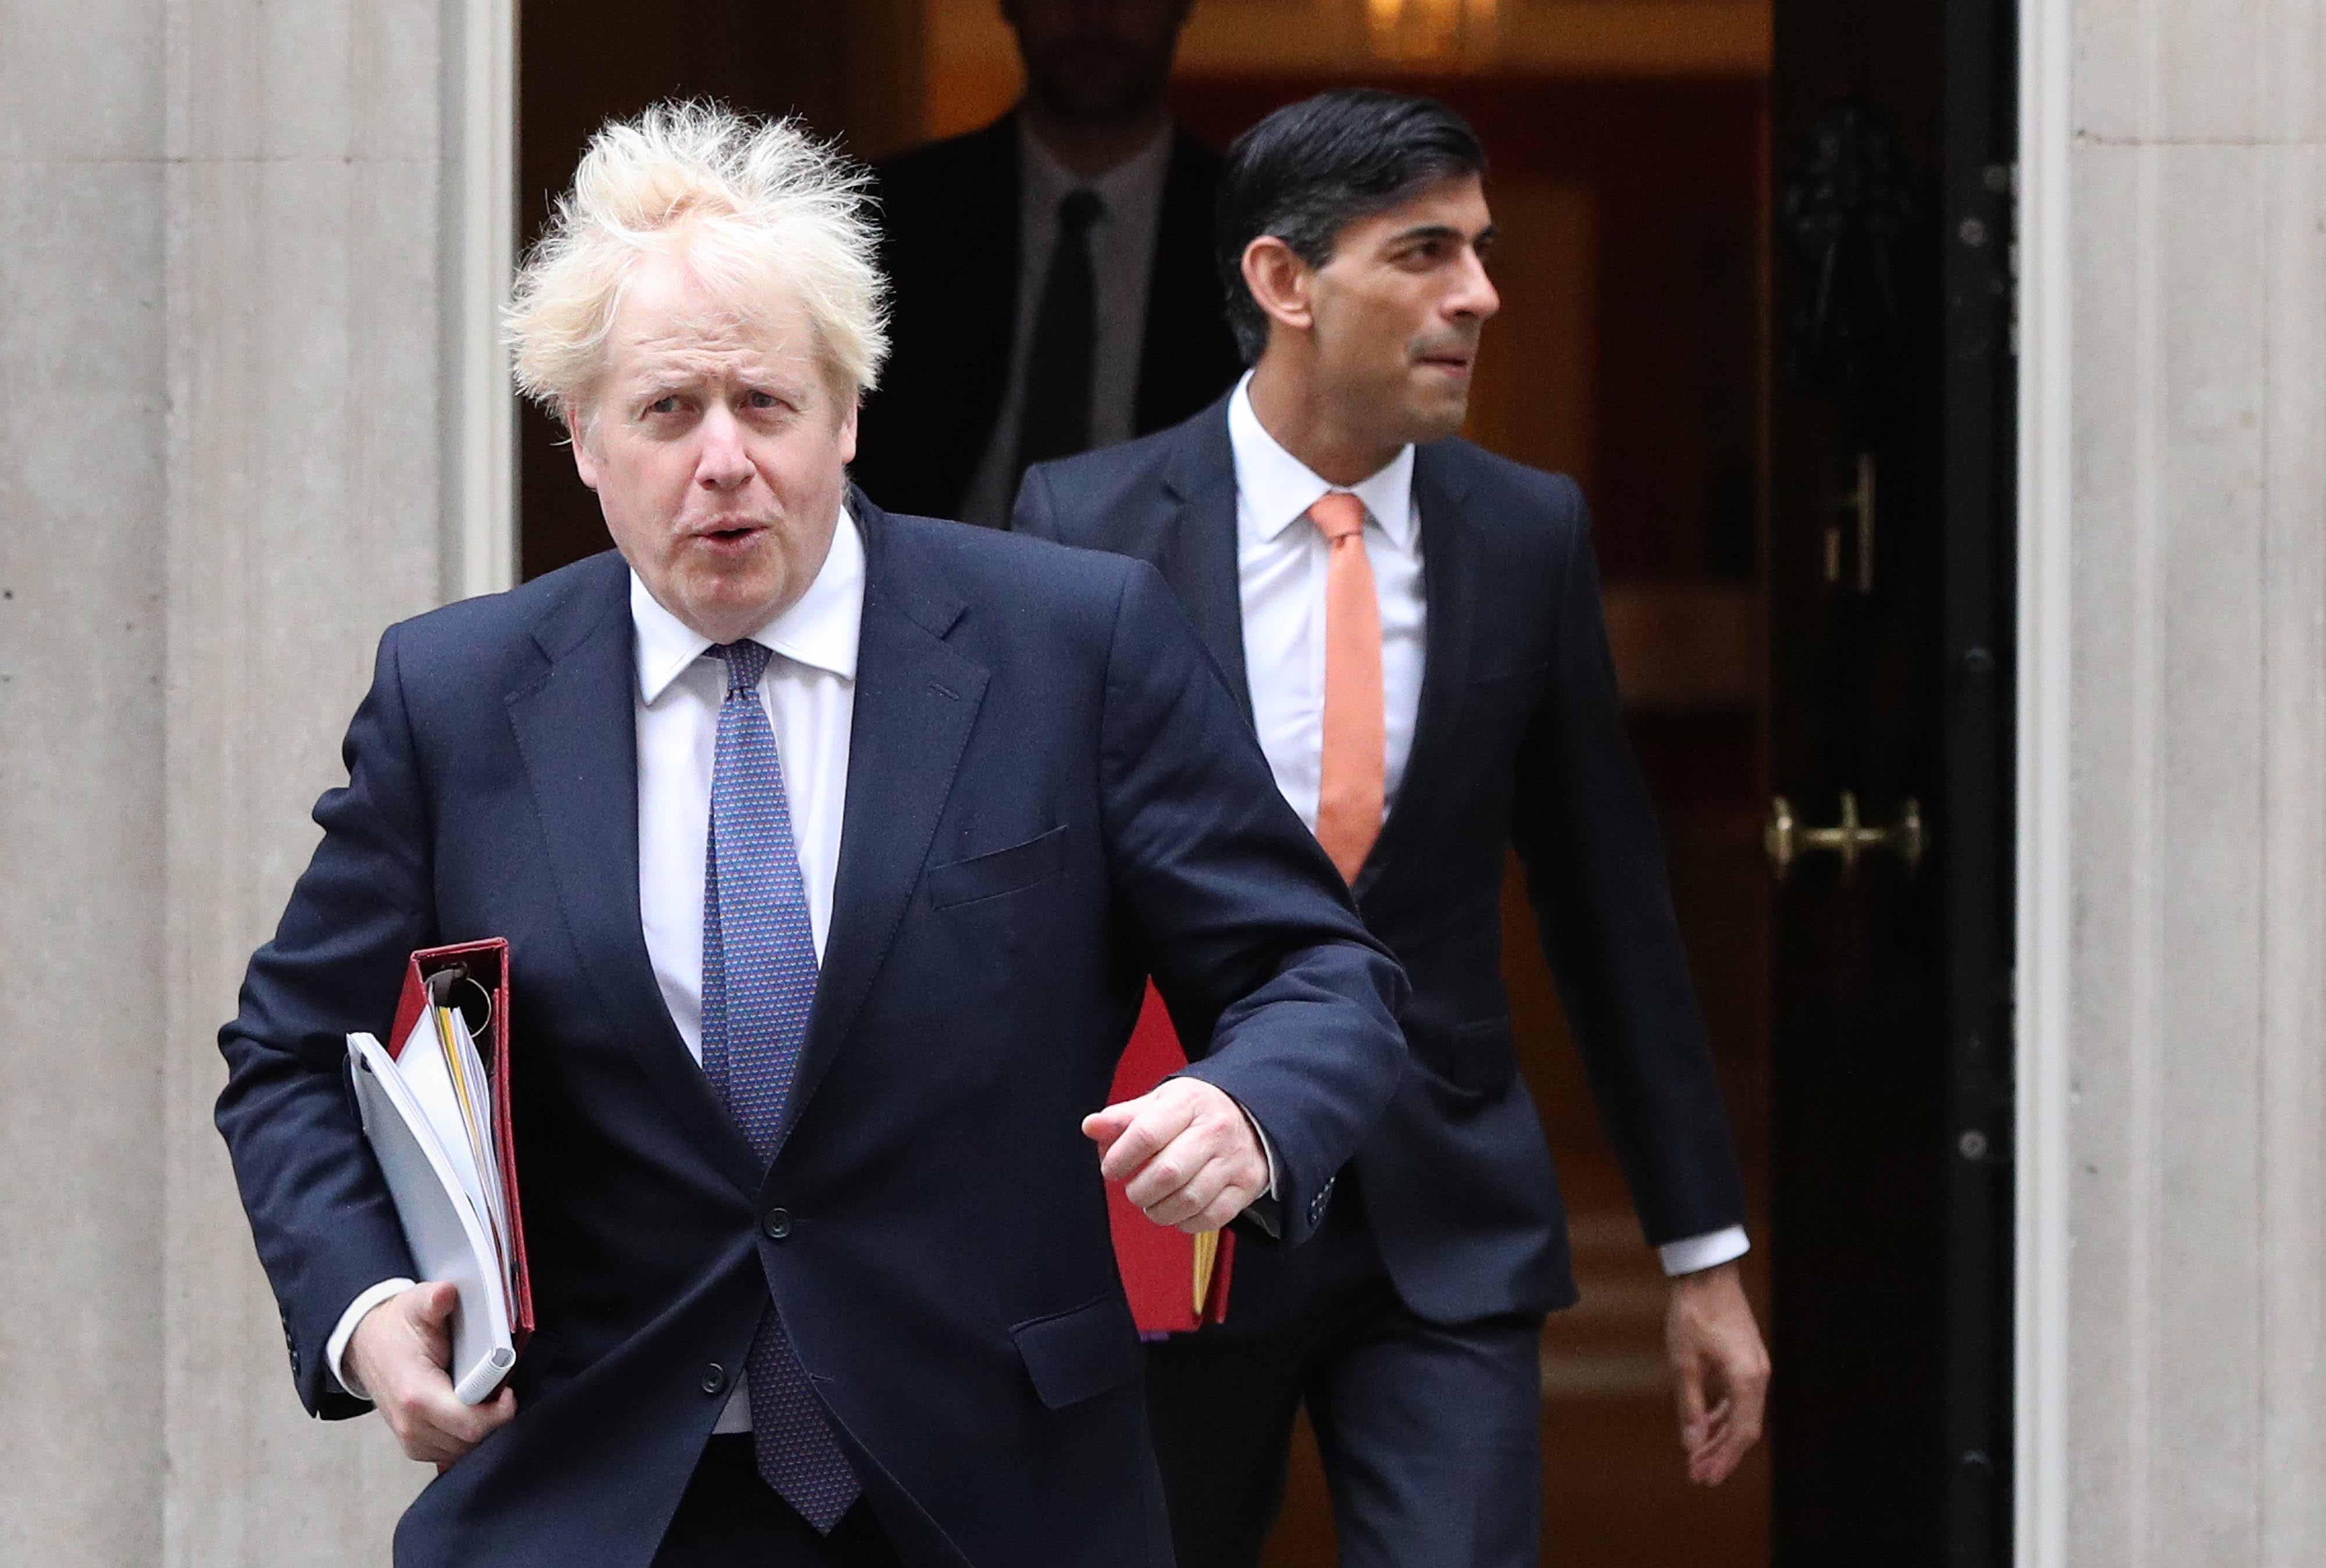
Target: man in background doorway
(1415,626)
(1053,286)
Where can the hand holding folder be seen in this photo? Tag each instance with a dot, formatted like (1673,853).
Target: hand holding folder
(435,1107)
(1176,1282)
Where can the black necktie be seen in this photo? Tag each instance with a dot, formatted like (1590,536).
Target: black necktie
(1055,418)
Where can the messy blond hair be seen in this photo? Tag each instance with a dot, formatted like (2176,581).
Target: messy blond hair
(760,211)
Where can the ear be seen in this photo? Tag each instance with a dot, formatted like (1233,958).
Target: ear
(576,424)
(1279,281)
(848,432)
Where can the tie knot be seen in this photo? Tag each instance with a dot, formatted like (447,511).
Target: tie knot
(746,661)
(1078,211)
(1338,515)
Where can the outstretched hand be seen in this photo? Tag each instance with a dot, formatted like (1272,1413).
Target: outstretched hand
(1185,1151)
(399,1353)
(1720,1371)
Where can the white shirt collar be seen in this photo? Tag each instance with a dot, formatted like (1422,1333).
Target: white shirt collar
(1132,185)
(819,629)
(1277,489)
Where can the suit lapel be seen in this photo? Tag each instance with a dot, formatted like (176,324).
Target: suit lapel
(916,702)
(1449,587)
(577,730)
(1198,546)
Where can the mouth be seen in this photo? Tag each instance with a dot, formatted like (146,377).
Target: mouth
(725,536)
(1455,363)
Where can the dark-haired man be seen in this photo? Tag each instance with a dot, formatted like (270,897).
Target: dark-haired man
(1052,277)
(1416,627)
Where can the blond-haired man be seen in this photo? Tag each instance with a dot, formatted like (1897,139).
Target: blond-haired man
(832,847)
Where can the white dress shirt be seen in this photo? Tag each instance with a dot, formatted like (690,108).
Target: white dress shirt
(809,690)
(1122,265)
(1280,564)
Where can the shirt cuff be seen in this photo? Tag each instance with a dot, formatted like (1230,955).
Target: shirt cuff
(1267,1149)
(336,1346)
(1263,1211)
(1694,1254)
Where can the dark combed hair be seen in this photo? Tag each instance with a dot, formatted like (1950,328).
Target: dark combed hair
(1309,170)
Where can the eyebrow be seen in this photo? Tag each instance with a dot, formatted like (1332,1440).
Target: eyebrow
(1441,231)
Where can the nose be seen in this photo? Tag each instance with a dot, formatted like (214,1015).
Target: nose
(1474,294)
(723,464)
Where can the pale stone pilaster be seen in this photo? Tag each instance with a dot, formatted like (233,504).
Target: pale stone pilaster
(81,668)
(310,450)
(2193,1269)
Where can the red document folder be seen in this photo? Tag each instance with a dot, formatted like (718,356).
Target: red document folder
(487,963)
(1159,1263)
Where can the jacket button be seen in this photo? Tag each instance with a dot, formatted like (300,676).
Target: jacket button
(777,1224)
(714,1378)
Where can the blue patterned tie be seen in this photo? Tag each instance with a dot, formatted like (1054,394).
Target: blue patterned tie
(759,984)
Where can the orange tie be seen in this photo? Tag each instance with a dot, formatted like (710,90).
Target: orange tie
(1353,780)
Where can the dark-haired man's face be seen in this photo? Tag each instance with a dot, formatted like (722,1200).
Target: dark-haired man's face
(1097,61)
(1397,309)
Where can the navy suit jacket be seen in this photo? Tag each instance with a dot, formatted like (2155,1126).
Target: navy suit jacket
(1049,794)
(1519,742)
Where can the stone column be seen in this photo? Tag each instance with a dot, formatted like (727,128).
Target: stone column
(242,434)
(316,449)
(82,663)
(2177,1124)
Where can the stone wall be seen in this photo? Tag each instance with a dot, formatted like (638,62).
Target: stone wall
(223,470)
(2189,1410)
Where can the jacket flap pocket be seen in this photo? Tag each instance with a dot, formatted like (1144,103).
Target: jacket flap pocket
(989,876)
(1480,1057)
(1074,1355)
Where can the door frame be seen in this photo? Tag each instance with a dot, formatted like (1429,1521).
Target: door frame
(2045,888)
(476,259)
(480,536)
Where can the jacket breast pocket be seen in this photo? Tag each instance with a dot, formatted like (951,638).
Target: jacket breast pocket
(1478,1057)
(998,871)
(1078,1354)
(1506,689)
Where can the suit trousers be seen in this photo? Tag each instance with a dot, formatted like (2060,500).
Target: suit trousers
(1431,1434)
(731,1519)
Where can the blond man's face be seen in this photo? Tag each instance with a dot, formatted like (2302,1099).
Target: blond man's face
(719,450)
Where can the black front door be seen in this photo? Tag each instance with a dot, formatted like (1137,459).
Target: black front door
(1889,579)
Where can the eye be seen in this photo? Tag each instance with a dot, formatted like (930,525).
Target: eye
(759,397)
(669,404)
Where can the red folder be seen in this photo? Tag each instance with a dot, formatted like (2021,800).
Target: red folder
(1161,1263)
(486,963)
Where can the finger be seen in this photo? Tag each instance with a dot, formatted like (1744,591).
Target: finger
(1221,1210)
(1688,1389)
(1713,1431)
(1192,1196)
(1205,1145)
(441,1429)
(1161,1177)
(1719,1461)
(1103,1127)
(1150,1133)
(431,1321)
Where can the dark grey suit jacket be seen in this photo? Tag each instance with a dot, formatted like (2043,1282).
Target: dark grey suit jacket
(1519,743)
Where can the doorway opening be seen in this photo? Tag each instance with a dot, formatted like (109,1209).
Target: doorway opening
(1780,367)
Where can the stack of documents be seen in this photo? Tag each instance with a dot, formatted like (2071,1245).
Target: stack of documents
(437,1120)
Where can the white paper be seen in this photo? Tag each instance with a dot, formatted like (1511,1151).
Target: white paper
(421,1152)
